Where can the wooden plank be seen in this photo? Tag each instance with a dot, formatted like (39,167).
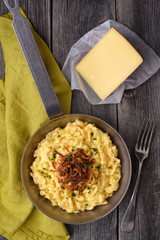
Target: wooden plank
(70,21)
(142,17)
(39,13)
(3,9)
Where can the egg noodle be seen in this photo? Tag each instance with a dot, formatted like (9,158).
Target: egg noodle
(76,167)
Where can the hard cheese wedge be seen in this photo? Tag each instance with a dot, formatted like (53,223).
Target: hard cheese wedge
(109,63)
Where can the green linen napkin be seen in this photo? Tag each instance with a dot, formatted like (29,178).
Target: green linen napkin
(21,114)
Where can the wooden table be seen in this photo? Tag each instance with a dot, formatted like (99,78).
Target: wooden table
(61,23)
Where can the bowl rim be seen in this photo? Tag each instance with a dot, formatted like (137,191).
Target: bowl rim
(129,161)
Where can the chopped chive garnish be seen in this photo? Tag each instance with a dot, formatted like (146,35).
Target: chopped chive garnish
(80,164)
(94,138)
(89,163)
(91,133)
(99,166)
(62,187)
(95,150)
(45,169)
(69,158)
(73,194)
(86,204)
(54,155)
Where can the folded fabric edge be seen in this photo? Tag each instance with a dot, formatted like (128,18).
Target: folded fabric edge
(28,237)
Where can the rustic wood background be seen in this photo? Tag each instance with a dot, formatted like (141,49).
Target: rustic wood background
(61,23)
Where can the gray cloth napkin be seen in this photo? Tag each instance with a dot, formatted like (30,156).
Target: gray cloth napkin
(150,65)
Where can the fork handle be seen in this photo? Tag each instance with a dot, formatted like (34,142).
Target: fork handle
(128,220)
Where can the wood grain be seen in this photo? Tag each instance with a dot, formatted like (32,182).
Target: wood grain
(3,9)
(143,18)
(72,19)
(39,13)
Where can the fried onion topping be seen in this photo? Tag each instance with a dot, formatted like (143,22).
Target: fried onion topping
(74,170)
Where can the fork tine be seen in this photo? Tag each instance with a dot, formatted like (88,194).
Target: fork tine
(149,136)
(144,132)
(143,137)
(140,132)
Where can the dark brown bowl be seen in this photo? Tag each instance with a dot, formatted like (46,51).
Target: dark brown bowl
(45,205)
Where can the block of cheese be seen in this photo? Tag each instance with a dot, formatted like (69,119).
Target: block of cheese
(109,63)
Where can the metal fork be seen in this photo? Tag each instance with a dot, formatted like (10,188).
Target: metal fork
(141,151)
